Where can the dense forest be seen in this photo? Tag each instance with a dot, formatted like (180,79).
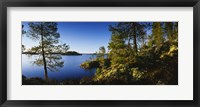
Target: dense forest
(139,53)
(137,58)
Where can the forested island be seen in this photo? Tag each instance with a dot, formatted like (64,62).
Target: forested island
(139,53)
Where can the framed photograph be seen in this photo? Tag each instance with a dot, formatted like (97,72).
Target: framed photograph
(91,53)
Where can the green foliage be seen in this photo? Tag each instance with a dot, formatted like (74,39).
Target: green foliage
(137,75)
(117,47)
(161,63)
(153,63)
(133,56)
(46,33)
(171,30)
(157,33)
(90,64)
(102,50)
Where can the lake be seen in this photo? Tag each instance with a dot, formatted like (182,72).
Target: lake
(70,70)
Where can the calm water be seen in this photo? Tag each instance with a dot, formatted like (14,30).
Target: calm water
(70,70)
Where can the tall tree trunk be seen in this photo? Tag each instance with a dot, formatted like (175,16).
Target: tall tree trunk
(129,44)
(43,56)
(134,38)
(45,64)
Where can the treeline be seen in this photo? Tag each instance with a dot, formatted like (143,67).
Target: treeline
(139,53)
(55,52)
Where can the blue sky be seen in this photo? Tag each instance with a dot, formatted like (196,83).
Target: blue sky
(83,37)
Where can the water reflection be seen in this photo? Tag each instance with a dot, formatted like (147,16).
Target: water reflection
(69,70)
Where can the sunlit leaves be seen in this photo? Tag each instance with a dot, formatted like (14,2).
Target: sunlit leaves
(154,62)
(157,33)
(137,75)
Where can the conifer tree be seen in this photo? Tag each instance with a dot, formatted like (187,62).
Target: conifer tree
(157,33)
(48,36)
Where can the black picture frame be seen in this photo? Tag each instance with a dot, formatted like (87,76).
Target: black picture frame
(99,3)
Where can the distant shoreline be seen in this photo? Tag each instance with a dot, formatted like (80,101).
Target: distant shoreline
(67,53)
(63,53)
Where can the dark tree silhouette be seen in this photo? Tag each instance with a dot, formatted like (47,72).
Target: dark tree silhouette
(46,33)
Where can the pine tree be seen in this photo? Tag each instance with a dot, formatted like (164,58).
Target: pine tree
(102,51)
(132,33)
(117,49)
(157,33)
(46,33)
(138,33)
(171,30)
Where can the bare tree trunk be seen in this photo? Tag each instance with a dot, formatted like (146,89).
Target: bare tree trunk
(43,56)
(45,64)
